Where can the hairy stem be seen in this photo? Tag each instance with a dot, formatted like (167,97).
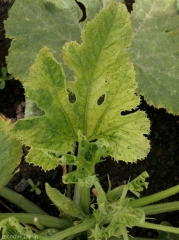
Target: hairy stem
(77,194)
(84,226)
(20,201)
(135,238)
(68,187)
(44,220)
(85,200)
(158,227)
(82,198)
(154,197)
(161,208)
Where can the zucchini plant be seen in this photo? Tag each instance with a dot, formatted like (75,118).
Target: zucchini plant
(82,121)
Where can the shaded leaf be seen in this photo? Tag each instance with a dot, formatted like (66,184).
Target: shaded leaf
(49,23)
(33,24)
(155,54)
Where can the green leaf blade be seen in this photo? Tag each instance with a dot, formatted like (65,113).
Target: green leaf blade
(102,67)
(10,152)
(104,61)
(109,73)
(53,132)
(33,24)
(154,52)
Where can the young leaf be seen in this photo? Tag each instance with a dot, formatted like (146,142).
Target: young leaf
(138,184)
(120,213)
(154,52)
(12,229)
(102,68)
(11,152)
(89,154)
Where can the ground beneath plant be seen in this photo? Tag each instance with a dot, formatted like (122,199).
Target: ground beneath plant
(162,163)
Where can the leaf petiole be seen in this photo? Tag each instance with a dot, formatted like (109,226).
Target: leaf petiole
(154,197)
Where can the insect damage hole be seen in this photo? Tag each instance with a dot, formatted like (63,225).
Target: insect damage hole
(71,97)
(101,99)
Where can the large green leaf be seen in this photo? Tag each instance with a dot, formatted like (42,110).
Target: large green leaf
(155,52)
(49,23)
(102,68)
(33,24)
(10,152)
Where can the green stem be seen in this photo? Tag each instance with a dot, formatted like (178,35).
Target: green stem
(44,220)
(85,200)
(161,208)
(82,198)
(20,201)
(158,227)
(84,226)
(77,194)
(68,187)
(89,235)
(124,232)
(154,197)
(135,238)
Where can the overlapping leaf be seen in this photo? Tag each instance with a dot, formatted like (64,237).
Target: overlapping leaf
(102,68)
(154,52)
(10,152)
(33,24)
(49,23)
(93,7)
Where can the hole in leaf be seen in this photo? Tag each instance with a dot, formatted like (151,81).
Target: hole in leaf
(71,97)
(83,9)
(101,99)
